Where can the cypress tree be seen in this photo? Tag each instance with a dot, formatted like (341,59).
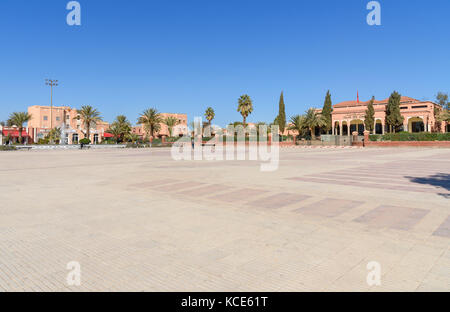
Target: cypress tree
(369,118)
(394,119)
(326,112)
(281,118)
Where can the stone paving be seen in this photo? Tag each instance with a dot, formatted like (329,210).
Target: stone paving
(135,220)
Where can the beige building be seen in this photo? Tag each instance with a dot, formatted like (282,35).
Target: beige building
(66,118)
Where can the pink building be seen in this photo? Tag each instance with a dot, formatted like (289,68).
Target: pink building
(11,134)
(180,129)
(419,116)
(66,118)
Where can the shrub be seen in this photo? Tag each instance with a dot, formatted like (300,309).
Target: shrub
(85,141)
(43,141)
(7,148)
(420,136)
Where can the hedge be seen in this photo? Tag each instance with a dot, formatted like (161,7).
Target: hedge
(406,136)
(7,148)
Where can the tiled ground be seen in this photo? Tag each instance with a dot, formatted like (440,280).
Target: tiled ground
(136,220)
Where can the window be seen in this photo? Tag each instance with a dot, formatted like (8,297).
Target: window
(58,119)
(45,118)
(421,106)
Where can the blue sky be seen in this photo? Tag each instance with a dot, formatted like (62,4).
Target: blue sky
(183,56)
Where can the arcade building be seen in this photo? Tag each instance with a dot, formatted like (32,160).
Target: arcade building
(419,116)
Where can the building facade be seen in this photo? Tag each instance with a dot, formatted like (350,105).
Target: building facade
(419,116)
(11,135)
(179,130)
(67,119)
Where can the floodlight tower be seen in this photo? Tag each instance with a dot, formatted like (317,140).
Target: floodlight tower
(52,83)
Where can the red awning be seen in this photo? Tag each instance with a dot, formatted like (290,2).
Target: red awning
(108,135)
(14,133)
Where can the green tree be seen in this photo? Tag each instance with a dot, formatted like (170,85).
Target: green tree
(132,137)
(442,99)
(369,118)
(170,122)
(120,128)
(115,130)
(54,136)
(326,112)
(298,124)
(90,117)
(245,107)
(313,120)
(151,120)
(210,115)
(18,119)
(281,118)
(394,118)
(443,115)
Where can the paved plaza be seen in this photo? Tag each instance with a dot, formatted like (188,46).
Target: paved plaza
(136,220)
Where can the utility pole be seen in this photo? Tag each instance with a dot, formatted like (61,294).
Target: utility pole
(52,83)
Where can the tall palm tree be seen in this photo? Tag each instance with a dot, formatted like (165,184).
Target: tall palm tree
(298,124)
(313,120)
(209,115)
(120,128)
(151,120)
(170,122)
(18,119)
(90,117)
(245,107)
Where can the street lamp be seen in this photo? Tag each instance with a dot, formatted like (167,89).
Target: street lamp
(52,83)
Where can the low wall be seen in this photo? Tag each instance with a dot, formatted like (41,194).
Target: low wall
(404,144)
(68,147)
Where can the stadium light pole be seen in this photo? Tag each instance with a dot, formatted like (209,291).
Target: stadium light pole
(52,83)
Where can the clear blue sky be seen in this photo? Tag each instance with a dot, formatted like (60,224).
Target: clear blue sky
(182,56)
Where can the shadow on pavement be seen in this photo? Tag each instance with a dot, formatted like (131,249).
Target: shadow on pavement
(440,180)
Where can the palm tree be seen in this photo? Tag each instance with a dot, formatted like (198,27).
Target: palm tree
(132,137)
(151,120)
(209,115)
(170,122)
(298,124)
(54,135)
(120,128)
(115,131)
(313,120)
(90,117)
(18,119)
(245,107)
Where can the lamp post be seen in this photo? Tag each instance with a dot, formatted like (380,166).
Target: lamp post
(52,83)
